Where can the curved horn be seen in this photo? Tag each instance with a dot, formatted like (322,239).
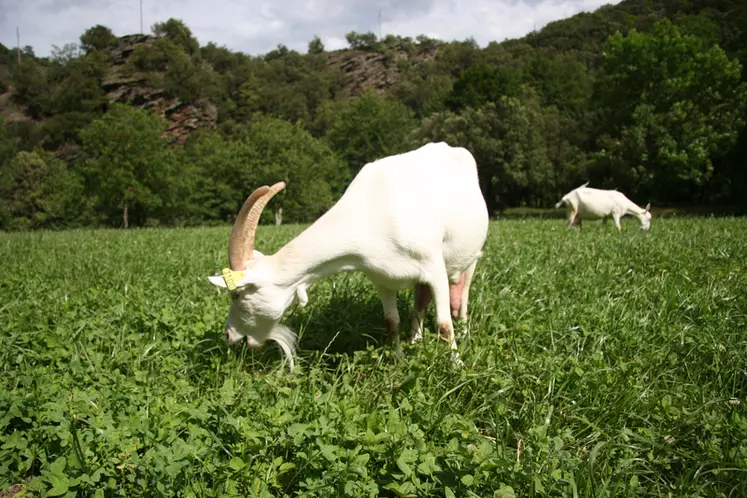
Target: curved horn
(241,245)
(237,243)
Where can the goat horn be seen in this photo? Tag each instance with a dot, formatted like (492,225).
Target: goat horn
(241,245)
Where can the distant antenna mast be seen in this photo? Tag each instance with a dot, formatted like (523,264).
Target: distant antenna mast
(18,47)
(141,17)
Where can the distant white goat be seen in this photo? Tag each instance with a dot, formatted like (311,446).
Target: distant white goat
(411,220)
(591,204)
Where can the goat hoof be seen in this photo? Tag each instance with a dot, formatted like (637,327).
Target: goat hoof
(455,360)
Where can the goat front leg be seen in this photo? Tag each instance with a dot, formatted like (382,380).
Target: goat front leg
(617,223)
(391,314)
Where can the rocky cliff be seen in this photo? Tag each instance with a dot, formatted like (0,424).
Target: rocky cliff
(362,71)
(122,85)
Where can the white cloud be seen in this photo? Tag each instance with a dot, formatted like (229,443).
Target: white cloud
(258,26)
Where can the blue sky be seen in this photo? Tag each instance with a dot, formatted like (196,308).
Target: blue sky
(258,26)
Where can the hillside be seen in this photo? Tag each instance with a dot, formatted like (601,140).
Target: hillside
(381,65)
(541,114)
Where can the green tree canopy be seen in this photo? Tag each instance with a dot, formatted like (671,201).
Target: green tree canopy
(270,150)
(128,166)
(97,38)
(8,144)
(361,41)
(481,83)
(668,106)
(178,32)
(37,190)
(316,46)
(369,128)
(31,87)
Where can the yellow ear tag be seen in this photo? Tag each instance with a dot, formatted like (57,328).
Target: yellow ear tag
(231,278)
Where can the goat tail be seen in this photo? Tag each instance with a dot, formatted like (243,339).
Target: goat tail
(561,203)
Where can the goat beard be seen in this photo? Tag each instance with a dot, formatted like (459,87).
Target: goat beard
(286,339)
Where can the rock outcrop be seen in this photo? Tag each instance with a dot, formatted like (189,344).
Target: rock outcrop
(121,84)
(364,71)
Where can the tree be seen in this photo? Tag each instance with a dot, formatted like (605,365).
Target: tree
(481,83)
(79,88)
(280,52)
(187,80)
(569,164)
(127,167)
(368,128)
(7,144)
(426,43)
(669,107)
(65,54)
(97,38)
(316,46)
(453,58)
(423,89)
(36,190)
(268,151)
(178,32)
(361,41)
(561,82)
(156,56)
(31,87)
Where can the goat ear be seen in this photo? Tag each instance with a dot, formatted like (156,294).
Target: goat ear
(648,207)
(217,280)
(257,254)
(233,279)
(303,298)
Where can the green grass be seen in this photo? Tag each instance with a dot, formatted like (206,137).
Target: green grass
(598,364)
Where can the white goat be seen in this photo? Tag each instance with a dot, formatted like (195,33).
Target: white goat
(411,220)
(591,204)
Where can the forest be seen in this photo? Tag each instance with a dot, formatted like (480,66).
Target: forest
(647,96)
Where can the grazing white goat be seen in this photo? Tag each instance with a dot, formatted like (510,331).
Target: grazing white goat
(591,204)
(416,219)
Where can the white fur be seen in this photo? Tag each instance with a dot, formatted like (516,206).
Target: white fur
(412,218)
(584,203)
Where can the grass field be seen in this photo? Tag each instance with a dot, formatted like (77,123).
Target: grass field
(597,364)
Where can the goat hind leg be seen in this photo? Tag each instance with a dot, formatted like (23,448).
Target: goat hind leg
(572,217)
(391,314)
(422,296)
(438,281)
(465,290)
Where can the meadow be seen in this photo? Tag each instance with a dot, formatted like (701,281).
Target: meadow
(595,364)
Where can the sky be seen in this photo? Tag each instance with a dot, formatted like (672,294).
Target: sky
(258,26)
